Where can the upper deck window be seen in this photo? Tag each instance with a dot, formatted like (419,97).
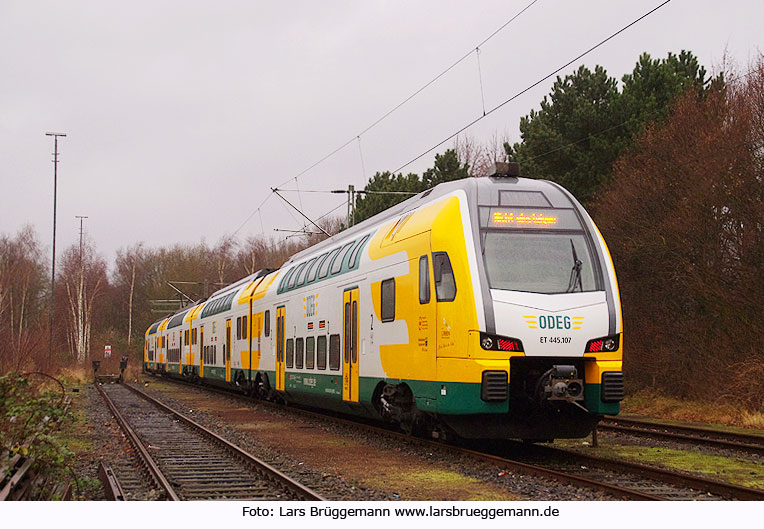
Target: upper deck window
(304,271)
(314,269)
(337,264)
(295,275)
(322,273)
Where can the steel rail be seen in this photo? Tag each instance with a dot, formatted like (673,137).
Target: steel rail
(156,473)
(736,441)
(725,490)
(518,466)
(110,483)
(264,468)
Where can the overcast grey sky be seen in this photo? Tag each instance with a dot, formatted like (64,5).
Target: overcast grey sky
(181,115)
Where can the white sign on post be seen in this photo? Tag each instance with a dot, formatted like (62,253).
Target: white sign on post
(107,351)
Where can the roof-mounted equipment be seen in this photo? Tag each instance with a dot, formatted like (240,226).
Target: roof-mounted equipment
(504,170)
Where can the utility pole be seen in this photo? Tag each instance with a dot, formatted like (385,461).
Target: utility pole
(55,135)
(81,217)
(351,204)
(351,199)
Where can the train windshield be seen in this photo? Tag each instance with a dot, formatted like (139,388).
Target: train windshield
(531,261)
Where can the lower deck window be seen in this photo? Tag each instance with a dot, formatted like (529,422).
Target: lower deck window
(290,352)
(321,352)
(300,344)
(310,353)
(334,352)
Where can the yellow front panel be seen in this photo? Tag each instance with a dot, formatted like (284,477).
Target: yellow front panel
(595,369)
(435,228)
(468,369)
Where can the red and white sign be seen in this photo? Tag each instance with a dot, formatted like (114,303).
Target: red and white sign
(107,351)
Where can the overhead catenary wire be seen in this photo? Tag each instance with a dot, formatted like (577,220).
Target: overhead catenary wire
(533,85)
(414,94)
(626,122)
(300,212)
(392,110)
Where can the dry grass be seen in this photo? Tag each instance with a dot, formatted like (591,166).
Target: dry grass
(654,404)
(75,375)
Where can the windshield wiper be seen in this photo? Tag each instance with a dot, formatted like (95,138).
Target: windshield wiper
(575,272)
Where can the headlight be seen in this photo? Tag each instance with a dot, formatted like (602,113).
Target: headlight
(606,343)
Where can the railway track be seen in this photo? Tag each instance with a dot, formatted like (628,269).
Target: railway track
(615,477)
(748,443)
(188,461)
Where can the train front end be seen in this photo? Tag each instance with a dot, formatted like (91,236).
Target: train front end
(552,308)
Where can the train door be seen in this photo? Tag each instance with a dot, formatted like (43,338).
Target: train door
(350,346)
(201,351)
(427,323)
(227,351)
(180,351)
(280,314)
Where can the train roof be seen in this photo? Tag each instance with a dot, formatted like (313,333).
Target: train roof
(484,190)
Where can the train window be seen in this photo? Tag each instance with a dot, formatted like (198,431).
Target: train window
(238,328)
(244,331)
(334,352)
(424,280)
(286,279)
(322,273)
(267,323)
(321,352)
(445,284)
(310,352)
(523,198)
(387,299)
(298,356)
(314,269)
(337,264)
(346,347)
(356,251)
(354,333)
(294,276)
(290,353)
(304,272)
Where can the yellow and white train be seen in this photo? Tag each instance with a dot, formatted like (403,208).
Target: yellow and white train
(485,307)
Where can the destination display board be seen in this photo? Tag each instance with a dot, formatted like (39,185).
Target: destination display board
(529,218)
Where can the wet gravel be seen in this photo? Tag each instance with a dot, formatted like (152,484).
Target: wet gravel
(336,487)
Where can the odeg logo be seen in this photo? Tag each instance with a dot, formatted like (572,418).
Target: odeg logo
(554,322)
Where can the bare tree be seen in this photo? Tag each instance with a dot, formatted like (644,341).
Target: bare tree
(22,273)
(480,156)
(83,276)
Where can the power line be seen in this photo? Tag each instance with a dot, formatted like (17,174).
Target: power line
(530,87)
(623,123)
(300,212)
(357,137)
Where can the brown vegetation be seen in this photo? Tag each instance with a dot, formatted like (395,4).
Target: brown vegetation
(684,218)
(93,309)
